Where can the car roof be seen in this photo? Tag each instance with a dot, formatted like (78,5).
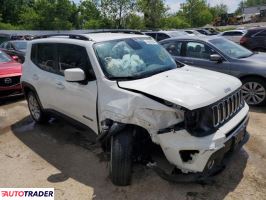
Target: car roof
(93,37)
(195,38)
(240,30)
(100,37)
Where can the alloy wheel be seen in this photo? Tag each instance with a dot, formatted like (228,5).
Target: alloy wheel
(253,92)
(34,107)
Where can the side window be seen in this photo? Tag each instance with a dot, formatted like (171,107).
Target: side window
(226,34)
(198,50)
(236,33)
(162,36)
(174,48)
(261,34)
(44,56)
(73,56)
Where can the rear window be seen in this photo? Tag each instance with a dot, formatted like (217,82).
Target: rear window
(44,56)
(4,57)
(56,58)
(261,34)
(253,31)
(233,33)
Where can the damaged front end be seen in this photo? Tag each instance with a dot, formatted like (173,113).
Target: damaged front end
(195,142)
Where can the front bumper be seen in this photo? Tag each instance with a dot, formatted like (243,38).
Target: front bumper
(176,142)
(10,91)
(219,159)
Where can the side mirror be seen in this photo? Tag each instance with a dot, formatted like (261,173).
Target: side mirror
(74,75)
(216,58)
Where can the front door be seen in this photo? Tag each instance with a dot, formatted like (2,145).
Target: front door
(76,100)
(198,54)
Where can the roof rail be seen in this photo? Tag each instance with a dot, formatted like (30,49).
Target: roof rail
(70,36)
(128,31)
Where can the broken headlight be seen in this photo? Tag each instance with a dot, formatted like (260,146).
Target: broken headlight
(199,122)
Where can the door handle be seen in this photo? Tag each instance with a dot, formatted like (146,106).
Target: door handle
(35,77)
(60,85)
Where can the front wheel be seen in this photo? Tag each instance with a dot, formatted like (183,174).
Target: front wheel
(254,91)
(121,158)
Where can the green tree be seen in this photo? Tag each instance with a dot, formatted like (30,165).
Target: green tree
(90,15)
(174,22)
(218,10)
(134,21)
(153,10)
(197,12)
(117,11)
(11,9)
(47,14)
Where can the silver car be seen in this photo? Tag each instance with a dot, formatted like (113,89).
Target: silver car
(222,55)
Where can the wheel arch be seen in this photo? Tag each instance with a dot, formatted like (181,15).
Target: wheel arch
(27,87)
(252,76)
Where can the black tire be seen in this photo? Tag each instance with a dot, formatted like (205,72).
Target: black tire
(261,83)
(121,158)
(41,117)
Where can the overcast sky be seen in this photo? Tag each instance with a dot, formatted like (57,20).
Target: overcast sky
(175,4)
(232,4)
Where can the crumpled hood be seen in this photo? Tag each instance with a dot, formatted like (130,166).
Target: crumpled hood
(188,87)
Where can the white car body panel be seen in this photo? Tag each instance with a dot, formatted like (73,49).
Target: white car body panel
(234,38)
(178,86)
(173,142)
(187,87)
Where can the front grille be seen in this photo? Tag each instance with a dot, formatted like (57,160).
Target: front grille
(226,108)
(9,81)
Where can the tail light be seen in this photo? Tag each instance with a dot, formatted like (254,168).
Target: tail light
(243,40)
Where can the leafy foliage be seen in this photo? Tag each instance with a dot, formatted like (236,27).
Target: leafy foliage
(95,14)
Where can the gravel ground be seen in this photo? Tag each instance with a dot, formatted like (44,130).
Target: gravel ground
(65,158)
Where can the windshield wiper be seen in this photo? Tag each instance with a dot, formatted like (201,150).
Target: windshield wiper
(121,78)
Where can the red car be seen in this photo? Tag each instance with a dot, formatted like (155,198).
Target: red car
(10,73)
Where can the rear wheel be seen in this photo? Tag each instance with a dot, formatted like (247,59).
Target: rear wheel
(36,111)
(121,158)
(254,91)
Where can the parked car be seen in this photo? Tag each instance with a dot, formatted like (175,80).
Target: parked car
(205,32)
(7,37)
(219,54)
(233,35)
(131,93)
(162,35)
(255,39)
(10,73)
(212,30)
(15,48)
(192,32)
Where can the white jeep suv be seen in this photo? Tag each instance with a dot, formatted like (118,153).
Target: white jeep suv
(134,96)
